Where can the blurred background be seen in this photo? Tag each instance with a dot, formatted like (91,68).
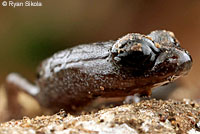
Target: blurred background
(30,34)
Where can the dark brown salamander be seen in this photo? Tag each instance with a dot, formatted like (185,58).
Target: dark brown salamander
(133,64)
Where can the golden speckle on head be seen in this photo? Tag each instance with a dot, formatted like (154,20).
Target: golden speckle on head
(117,45)
(137,47)
(140,37)
(149,38)
(120,40)
(157,45)
(139,44)
(102,88)
(126,37)
(120,51)
(172,34)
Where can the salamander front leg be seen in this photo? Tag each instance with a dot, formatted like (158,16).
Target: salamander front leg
(137,97)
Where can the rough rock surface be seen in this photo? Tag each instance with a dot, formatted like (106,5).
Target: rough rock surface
(148,116)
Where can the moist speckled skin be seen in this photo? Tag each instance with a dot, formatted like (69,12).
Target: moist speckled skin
(133,64)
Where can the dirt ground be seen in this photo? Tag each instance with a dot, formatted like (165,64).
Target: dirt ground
(148,116)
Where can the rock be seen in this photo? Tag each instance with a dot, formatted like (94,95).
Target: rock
(147,116)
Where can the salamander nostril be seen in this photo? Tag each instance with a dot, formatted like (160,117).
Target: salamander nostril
(37,75)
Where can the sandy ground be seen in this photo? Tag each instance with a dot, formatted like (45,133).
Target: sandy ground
(148,116)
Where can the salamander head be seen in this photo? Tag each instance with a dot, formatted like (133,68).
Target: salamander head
(158,53)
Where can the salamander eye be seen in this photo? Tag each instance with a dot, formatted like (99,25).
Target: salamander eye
(135,51)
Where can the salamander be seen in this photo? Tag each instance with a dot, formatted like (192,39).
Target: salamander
(135,63)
